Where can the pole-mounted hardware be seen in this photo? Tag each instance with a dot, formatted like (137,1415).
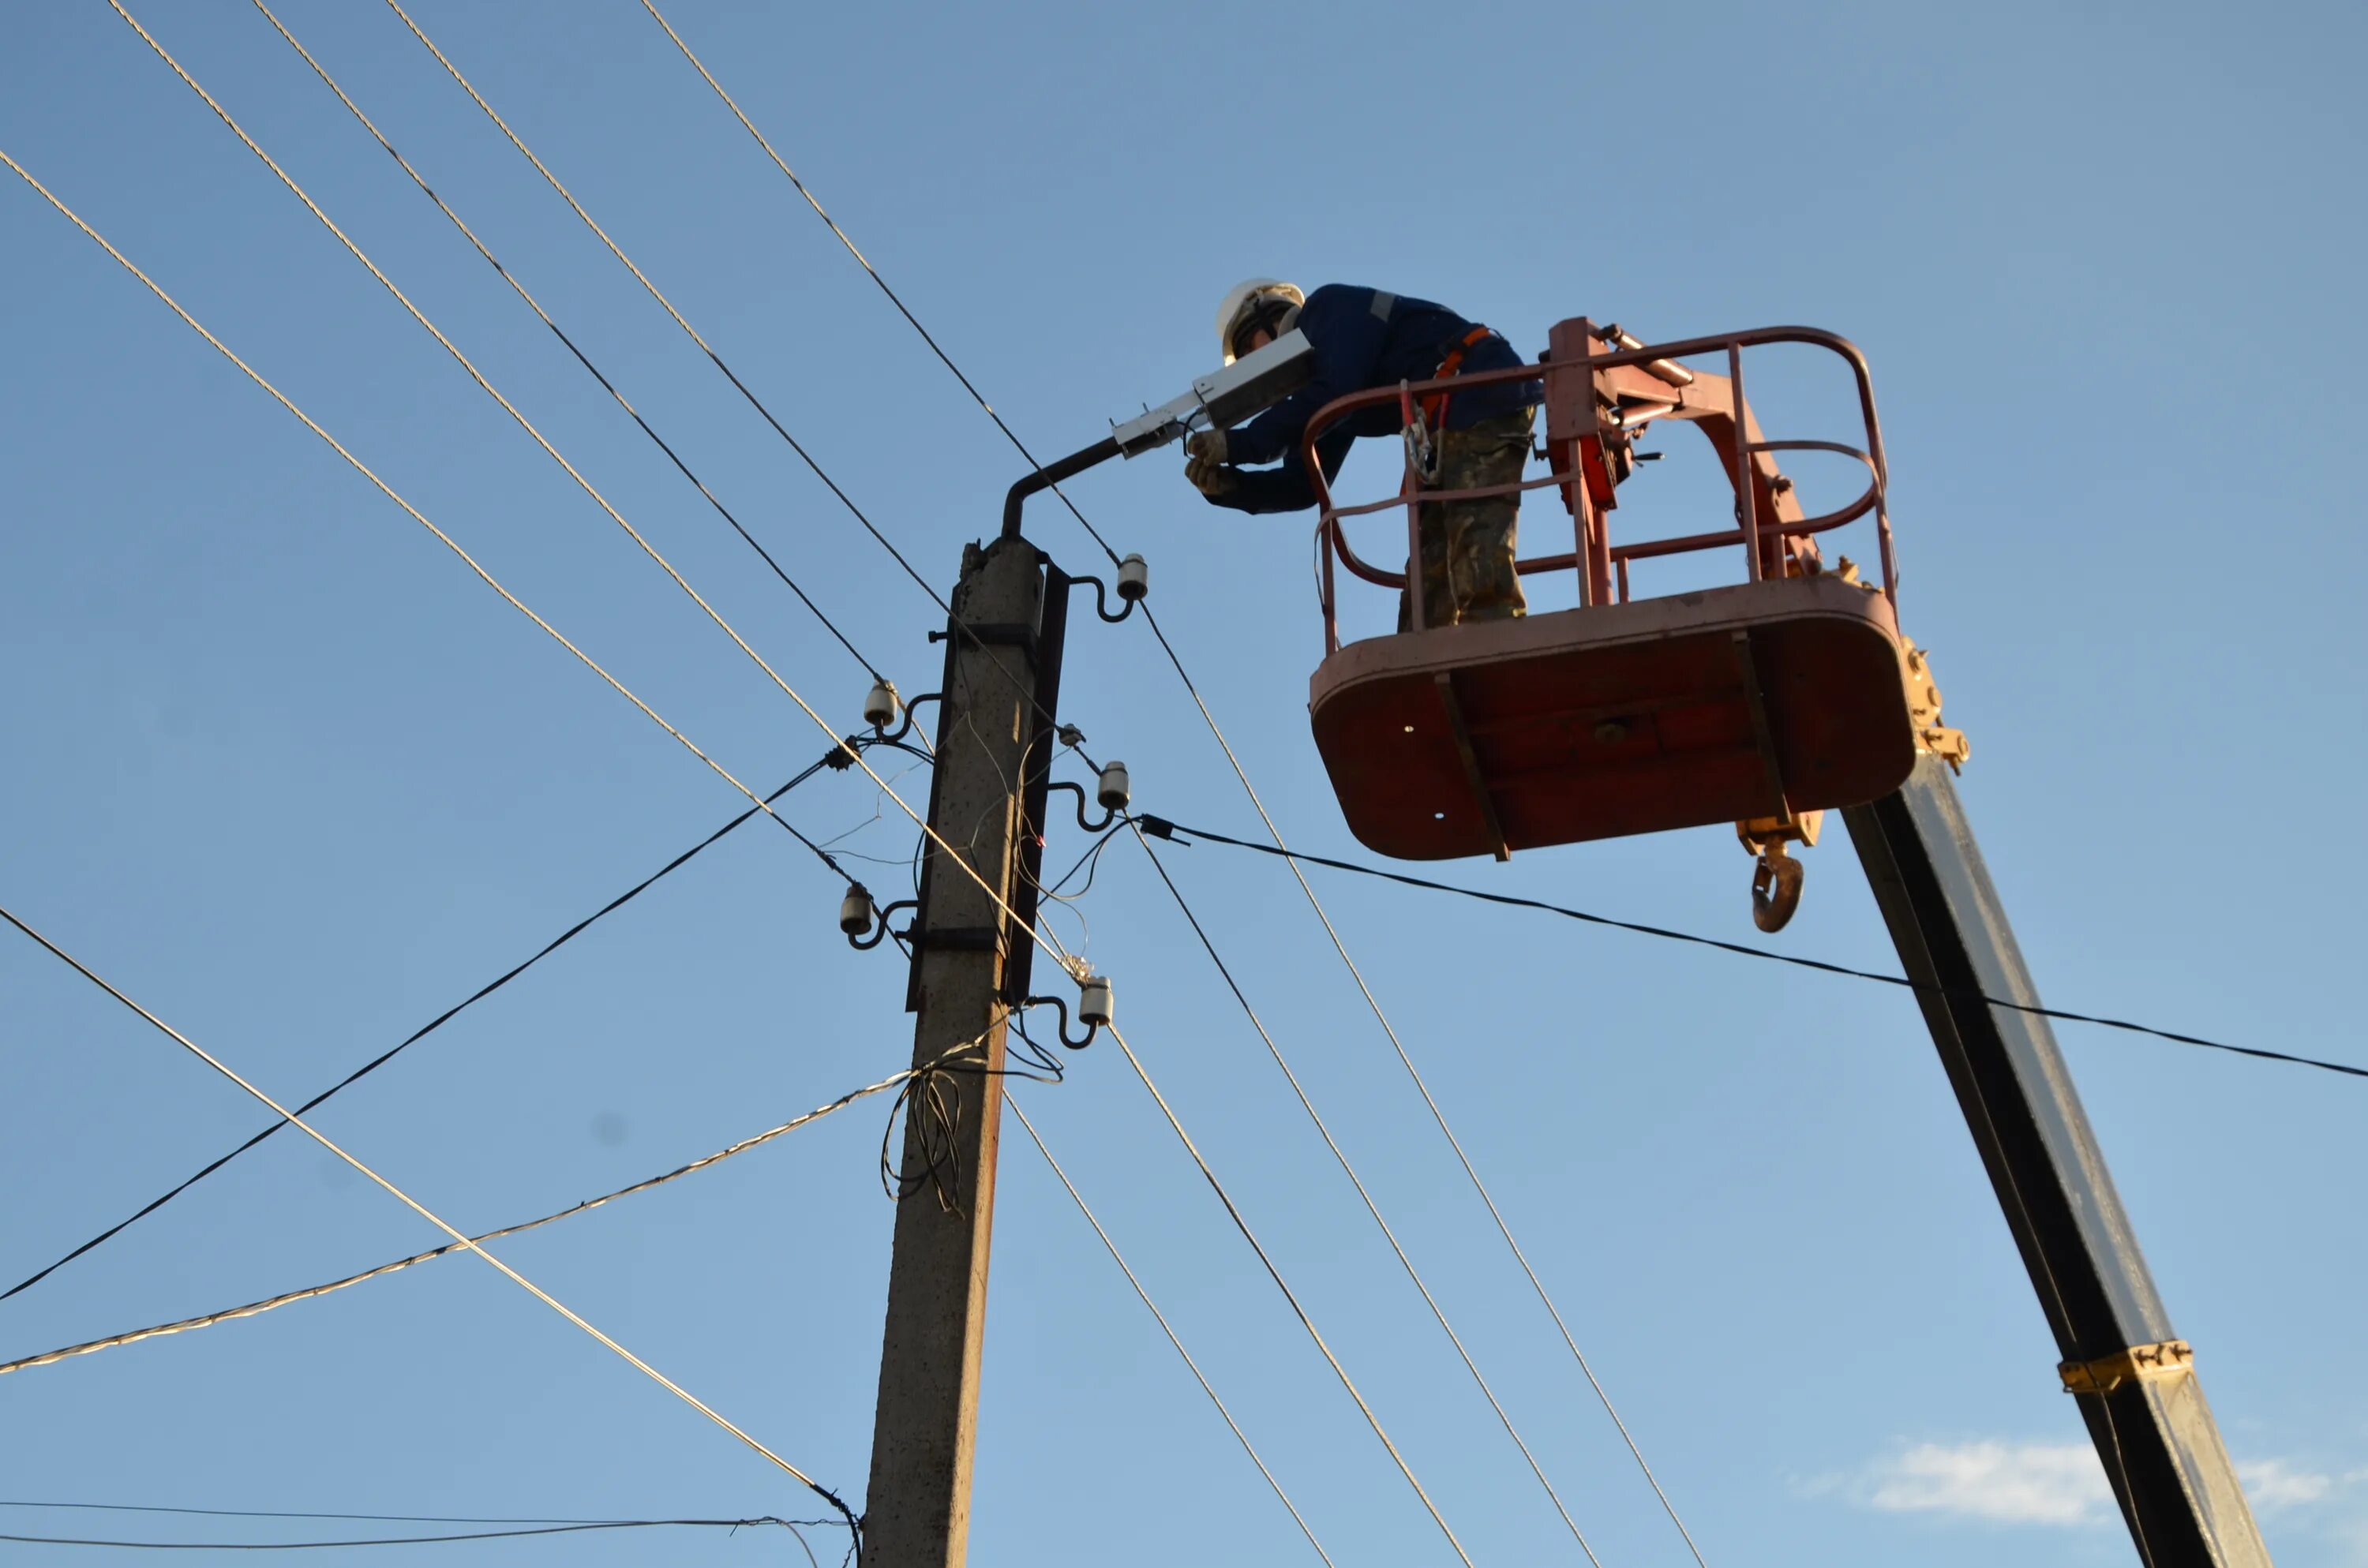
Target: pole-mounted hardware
(1250,384)
(866,924)
(971,936)
(1133,584)
(1095,1004)
(881,706)
(1111,792)
(1095,1010)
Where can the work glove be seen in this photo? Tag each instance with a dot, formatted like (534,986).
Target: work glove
(1210,479)
(1208,446)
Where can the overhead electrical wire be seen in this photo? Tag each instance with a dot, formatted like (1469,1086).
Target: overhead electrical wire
(424,1030)
(1163,828)
(1210,719)
(954,620)
(873,272)
(1437,1116)
(307,1514)
(679,319)
(545,1297)
(1042,939)
(528,425)
(1233,1212)
(1152,1307)
(400,1539)
(1050,941)
(288,1297)
(964,866)
(1371,1207)
(413,512)
(535,305)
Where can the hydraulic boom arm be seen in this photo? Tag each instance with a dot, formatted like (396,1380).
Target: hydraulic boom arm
(2133,1378)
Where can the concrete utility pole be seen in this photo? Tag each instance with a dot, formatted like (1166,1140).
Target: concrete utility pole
(994,758)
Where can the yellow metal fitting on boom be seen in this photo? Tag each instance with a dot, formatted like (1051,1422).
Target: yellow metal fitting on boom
(2170,1359)
(1924,710)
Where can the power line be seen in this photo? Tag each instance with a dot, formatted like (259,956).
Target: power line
(1052,941)
(850,752)
(1437,1115)
(955,621)
(418,516)
(532,303)
(1290,1296)
(292,1514)
(1210,719)
(400,1540)
(1045,940)
(523,423)
(1163,828)
(288,1297)
(1041,938)
(1144,1296)
(438,1022)
(679,320)
(1371,1207)
(432,1217)
(976,397)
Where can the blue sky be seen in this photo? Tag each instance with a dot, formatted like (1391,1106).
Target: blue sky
(286,773)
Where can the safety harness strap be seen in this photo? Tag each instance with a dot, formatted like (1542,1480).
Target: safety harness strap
(1434,405)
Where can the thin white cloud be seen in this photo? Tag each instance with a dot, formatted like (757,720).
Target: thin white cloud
(2023,1483)
(2038,1483)
(2274,1483)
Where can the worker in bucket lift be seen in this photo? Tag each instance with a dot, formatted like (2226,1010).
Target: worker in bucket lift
(1363,338)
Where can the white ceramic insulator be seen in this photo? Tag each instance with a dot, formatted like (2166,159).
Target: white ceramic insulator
(1133,577)
(880,705)
(1115,790)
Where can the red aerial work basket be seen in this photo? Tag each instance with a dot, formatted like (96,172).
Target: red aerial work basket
(1757,703)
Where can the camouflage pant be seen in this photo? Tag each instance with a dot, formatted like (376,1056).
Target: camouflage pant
(1468,546)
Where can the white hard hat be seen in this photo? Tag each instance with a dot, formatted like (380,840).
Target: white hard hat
(1243,300)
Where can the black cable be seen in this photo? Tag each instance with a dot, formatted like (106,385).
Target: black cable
(442,1018)
(287,1514)
(943,358)
(753,400)
(1160,828)
(828,625)
(581,359)
(932,1105)
(395,1540)
(1090,862)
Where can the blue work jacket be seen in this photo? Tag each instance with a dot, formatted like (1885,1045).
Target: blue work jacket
(1362,338)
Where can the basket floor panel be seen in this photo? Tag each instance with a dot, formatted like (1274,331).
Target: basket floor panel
(1604,722)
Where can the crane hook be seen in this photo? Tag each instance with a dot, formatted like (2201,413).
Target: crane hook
(1775,888)
(1776,880)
